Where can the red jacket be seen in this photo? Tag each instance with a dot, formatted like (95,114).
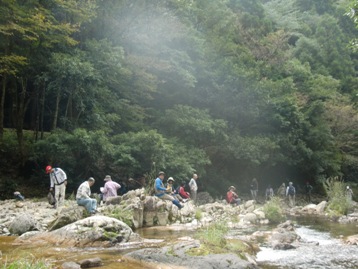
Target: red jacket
(230,196)
(183,193)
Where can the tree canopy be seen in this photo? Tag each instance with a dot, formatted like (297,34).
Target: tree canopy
(230,89)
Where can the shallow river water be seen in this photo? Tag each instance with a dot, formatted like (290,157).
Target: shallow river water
(322,249)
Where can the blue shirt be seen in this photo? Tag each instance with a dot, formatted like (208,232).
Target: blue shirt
(159,187)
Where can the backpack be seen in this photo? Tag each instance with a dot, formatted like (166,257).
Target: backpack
(291,190)
(51,198)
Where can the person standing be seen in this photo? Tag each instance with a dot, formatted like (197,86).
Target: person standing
(308,189)
(291,193)
(58,182)
(269,193)
(161,191)
(254,187)
(193,187)
(110,188)
(83,196)
(281,192)
(349,194)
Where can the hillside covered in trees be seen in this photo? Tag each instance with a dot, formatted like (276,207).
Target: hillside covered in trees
(230,89)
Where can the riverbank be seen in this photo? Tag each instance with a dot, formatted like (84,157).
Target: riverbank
(40,218)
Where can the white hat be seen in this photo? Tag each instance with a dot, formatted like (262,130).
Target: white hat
(108,177)
(171,179)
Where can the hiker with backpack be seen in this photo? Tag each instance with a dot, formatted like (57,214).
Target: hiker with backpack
(291,193)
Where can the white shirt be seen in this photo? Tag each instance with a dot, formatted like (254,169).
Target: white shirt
(84,191)
(192,184)
(57,177)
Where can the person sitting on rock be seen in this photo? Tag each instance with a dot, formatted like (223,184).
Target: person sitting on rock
(83,196)
(18,196)
(231,197)
(184,194)
(161,191)
(171,189)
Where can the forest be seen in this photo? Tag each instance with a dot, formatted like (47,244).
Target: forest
(228,89)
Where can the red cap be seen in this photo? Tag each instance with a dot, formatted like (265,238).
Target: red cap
(48,169)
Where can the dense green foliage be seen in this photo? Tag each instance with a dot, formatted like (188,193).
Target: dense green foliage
(338,203)
(273,210)
(229,89)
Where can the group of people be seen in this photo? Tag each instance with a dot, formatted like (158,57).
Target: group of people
(283,191)
(58,183)
(175,195)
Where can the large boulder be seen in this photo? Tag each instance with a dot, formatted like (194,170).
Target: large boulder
(23,223)
(66,216)
(176,255)
(352,240)
(204,198)
(283,236)
(321,207)
(95,231)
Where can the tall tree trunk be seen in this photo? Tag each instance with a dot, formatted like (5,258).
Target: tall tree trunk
(42,110)
(68,111)
(2,106)
(57,108)
(21,107)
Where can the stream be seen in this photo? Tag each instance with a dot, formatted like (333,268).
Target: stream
(321,249)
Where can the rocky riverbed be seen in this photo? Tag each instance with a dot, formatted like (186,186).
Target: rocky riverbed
(36,223)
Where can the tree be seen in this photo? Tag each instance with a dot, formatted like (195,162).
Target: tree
(30,29)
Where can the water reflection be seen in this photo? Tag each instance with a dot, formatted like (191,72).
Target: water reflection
(330,253)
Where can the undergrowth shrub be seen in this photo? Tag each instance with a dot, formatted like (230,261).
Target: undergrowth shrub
(213,240)
(213,235)
(273,210)
(26,263)
(337,202)
(120,213)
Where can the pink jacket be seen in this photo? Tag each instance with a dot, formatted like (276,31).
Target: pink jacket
(110,189)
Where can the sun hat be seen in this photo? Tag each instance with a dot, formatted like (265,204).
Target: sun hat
(171,179)
(107,178)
